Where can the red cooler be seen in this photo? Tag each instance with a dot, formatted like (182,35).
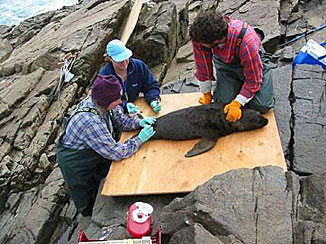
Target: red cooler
(139,219)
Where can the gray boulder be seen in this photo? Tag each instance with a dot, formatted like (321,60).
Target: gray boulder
(311,215)
(251,206)
(309,111)
(282,82)
(5,49)
(262,14)
(155,36)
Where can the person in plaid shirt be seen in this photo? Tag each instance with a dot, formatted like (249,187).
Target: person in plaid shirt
(90,142)
(243,77)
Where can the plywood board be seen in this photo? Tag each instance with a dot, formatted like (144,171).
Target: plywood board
(131,21)
(160,166)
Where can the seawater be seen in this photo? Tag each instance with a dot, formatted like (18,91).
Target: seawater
(12,12)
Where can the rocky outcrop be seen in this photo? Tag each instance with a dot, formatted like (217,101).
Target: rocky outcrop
(282,83)
(241,206)
(261,205)
(304,19)
(29,215)
(309,112)
(155,36)
(30,117)
(5,49)
(32,26)
(262,14)
(310,219)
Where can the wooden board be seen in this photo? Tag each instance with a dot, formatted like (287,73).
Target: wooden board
(160,166)
(131,21)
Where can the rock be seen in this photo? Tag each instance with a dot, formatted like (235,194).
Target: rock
(159,71)
(32,223)
(287,53)
(5,49)
(255,206)
(30,27)
(194,234)
(44,162)
(182,7)
(311,216)
(154,39)
(53,38)
(195,5)
(4,29)
(30,119)
(309,111)
(182,62)
(185,54)
(20,88)
(310,15)
(186,85)
(282,81)
(287,8)
(254,13)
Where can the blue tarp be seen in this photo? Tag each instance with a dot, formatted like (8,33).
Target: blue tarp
(303,57)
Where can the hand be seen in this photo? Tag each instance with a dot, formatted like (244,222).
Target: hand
(132,108)
(146,133)
(206,98)
(233,111)
(147,121)
(156,105)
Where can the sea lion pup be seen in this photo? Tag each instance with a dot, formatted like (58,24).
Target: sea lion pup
(207,122)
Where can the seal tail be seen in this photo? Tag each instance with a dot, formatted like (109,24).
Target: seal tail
(204,145)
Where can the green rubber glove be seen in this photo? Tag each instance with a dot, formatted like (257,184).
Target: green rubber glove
(147,121)
(132,108)
(156,105)
(146,133)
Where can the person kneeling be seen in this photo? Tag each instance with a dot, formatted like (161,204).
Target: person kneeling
(90,141)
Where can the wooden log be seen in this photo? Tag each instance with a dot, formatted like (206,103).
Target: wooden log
(131,21)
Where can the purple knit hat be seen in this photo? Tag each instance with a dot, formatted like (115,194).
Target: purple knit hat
(105,90)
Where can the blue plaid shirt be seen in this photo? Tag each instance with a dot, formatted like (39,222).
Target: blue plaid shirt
(86,130)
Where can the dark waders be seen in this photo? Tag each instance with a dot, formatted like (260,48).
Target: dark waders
(82,171)
(230,78)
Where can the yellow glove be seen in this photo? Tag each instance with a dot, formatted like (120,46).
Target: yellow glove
(206,98)
(233,111)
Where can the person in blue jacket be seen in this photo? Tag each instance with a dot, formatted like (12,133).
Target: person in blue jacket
(134,76)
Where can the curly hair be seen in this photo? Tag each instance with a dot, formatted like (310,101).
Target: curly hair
(208,27)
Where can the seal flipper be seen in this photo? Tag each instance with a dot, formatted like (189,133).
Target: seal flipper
(202,146)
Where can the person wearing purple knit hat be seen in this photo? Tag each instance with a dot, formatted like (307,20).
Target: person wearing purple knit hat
(90,141)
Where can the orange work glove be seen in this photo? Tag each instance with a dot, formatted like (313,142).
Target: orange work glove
(233,111)
(206,98)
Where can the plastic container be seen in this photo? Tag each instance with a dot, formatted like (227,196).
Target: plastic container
(139,219)
(311,53)
(315,50)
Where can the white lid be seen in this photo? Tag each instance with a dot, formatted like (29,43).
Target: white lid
(315,50)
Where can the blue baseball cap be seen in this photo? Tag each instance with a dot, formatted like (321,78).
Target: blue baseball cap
(118,51)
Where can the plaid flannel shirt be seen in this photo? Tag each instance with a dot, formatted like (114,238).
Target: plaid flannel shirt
(86,130)
(248,55)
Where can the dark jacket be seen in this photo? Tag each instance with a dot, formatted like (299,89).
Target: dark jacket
(139,79)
